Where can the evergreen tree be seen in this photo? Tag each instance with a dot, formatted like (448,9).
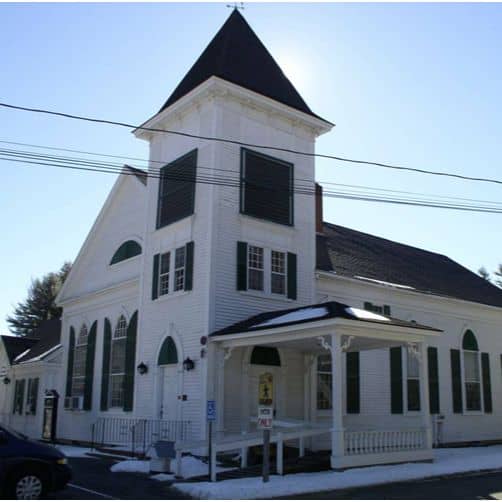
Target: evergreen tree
(498,275)
(40,303)
(484,273)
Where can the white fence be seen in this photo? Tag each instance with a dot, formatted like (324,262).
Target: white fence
(370,442)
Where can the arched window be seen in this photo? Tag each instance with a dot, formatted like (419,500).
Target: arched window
(168,352)
(80,356)
(126,250)
(117,363)
(472,374)
(268,356)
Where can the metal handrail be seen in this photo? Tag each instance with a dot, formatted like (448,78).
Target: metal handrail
(137,434)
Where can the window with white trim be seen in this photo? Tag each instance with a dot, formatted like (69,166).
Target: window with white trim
(117,363)
(278,273)
(179,268)
(80,356)
(165,263)
(412,380)
(255,268)
(472,372)
(324,382)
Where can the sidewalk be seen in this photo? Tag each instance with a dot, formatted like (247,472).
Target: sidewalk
(447,461)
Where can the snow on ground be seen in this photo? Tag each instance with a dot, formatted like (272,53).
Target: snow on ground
(447,461)
(190,467)
(73,451)
(131,466)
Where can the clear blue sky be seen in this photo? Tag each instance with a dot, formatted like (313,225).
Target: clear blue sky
(414,84)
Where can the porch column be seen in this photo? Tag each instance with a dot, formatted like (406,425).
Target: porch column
(337,433)
(424,395)
(220,388)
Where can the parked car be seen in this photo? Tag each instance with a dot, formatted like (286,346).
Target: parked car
(29,469)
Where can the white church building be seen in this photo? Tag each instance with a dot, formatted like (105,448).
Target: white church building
(215,271)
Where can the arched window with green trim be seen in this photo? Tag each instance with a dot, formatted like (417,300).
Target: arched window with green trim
(168,352)
(127,250)
(267,356)
(472,373)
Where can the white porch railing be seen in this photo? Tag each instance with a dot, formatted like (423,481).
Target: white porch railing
(375,442)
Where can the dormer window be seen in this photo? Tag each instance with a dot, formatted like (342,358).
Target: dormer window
(127,250)
(266,187)
(177,190)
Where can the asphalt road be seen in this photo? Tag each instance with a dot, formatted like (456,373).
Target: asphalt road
(92,480)
(472,487)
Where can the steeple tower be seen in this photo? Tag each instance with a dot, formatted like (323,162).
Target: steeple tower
(238,56)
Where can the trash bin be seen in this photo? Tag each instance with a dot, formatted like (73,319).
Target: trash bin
(164,454)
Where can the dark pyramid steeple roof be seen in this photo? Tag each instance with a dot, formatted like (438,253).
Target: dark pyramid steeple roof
(237,55)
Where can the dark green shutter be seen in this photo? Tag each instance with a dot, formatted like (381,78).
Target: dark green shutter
(456,383)
(69,370)
(292,276)
(396,380)
(352,369)
(89,366)
(386,310)
(433,370)
(487,386)
(105,372)
(189,266)
(130,362)
(242,272)
(368,306)
(155,277)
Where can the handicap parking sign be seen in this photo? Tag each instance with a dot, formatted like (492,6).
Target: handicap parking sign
(211,411)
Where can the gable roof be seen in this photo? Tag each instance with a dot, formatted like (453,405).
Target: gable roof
(49,337)
(366,257)
(238,56)
(16,345)
(140,174)
(312,313)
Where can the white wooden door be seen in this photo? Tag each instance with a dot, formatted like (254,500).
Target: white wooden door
(169,406)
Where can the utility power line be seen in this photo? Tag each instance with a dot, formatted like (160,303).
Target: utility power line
(30,158)
(252,145)
(310,182)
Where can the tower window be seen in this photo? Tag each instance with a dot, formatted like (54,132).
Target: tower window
(177,190)
(266,187)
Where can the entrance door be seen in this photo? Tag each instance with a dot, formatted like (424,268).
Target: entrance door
(169,406)
(254,384)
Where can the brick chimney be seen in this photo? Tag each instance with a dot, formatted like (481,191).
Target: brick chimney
(318,209)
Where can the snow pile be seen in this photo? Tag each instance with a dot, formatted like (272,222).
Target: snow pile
(190,467)
(73,451)
(131,466)
(384,283)
(295,316)
(365,314)
(447,461)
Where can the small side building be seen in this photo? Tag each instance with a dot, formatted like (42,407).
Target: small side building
(30,369)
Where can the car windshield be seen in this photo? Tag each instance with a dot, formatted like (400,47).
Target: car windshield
(12,432)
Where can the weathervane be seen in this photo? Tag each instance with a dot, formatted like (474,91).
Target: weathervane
(236,5)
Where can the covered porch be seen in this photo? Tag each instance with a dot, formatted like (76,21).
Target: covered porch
(312,357)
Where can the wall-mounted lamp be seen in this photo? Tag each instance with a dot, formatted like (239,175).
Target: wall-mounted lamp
(188,364)
(142,368)
(6,380)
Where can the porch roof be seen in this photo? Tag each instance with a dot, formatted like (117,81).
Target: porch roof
(313,314)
